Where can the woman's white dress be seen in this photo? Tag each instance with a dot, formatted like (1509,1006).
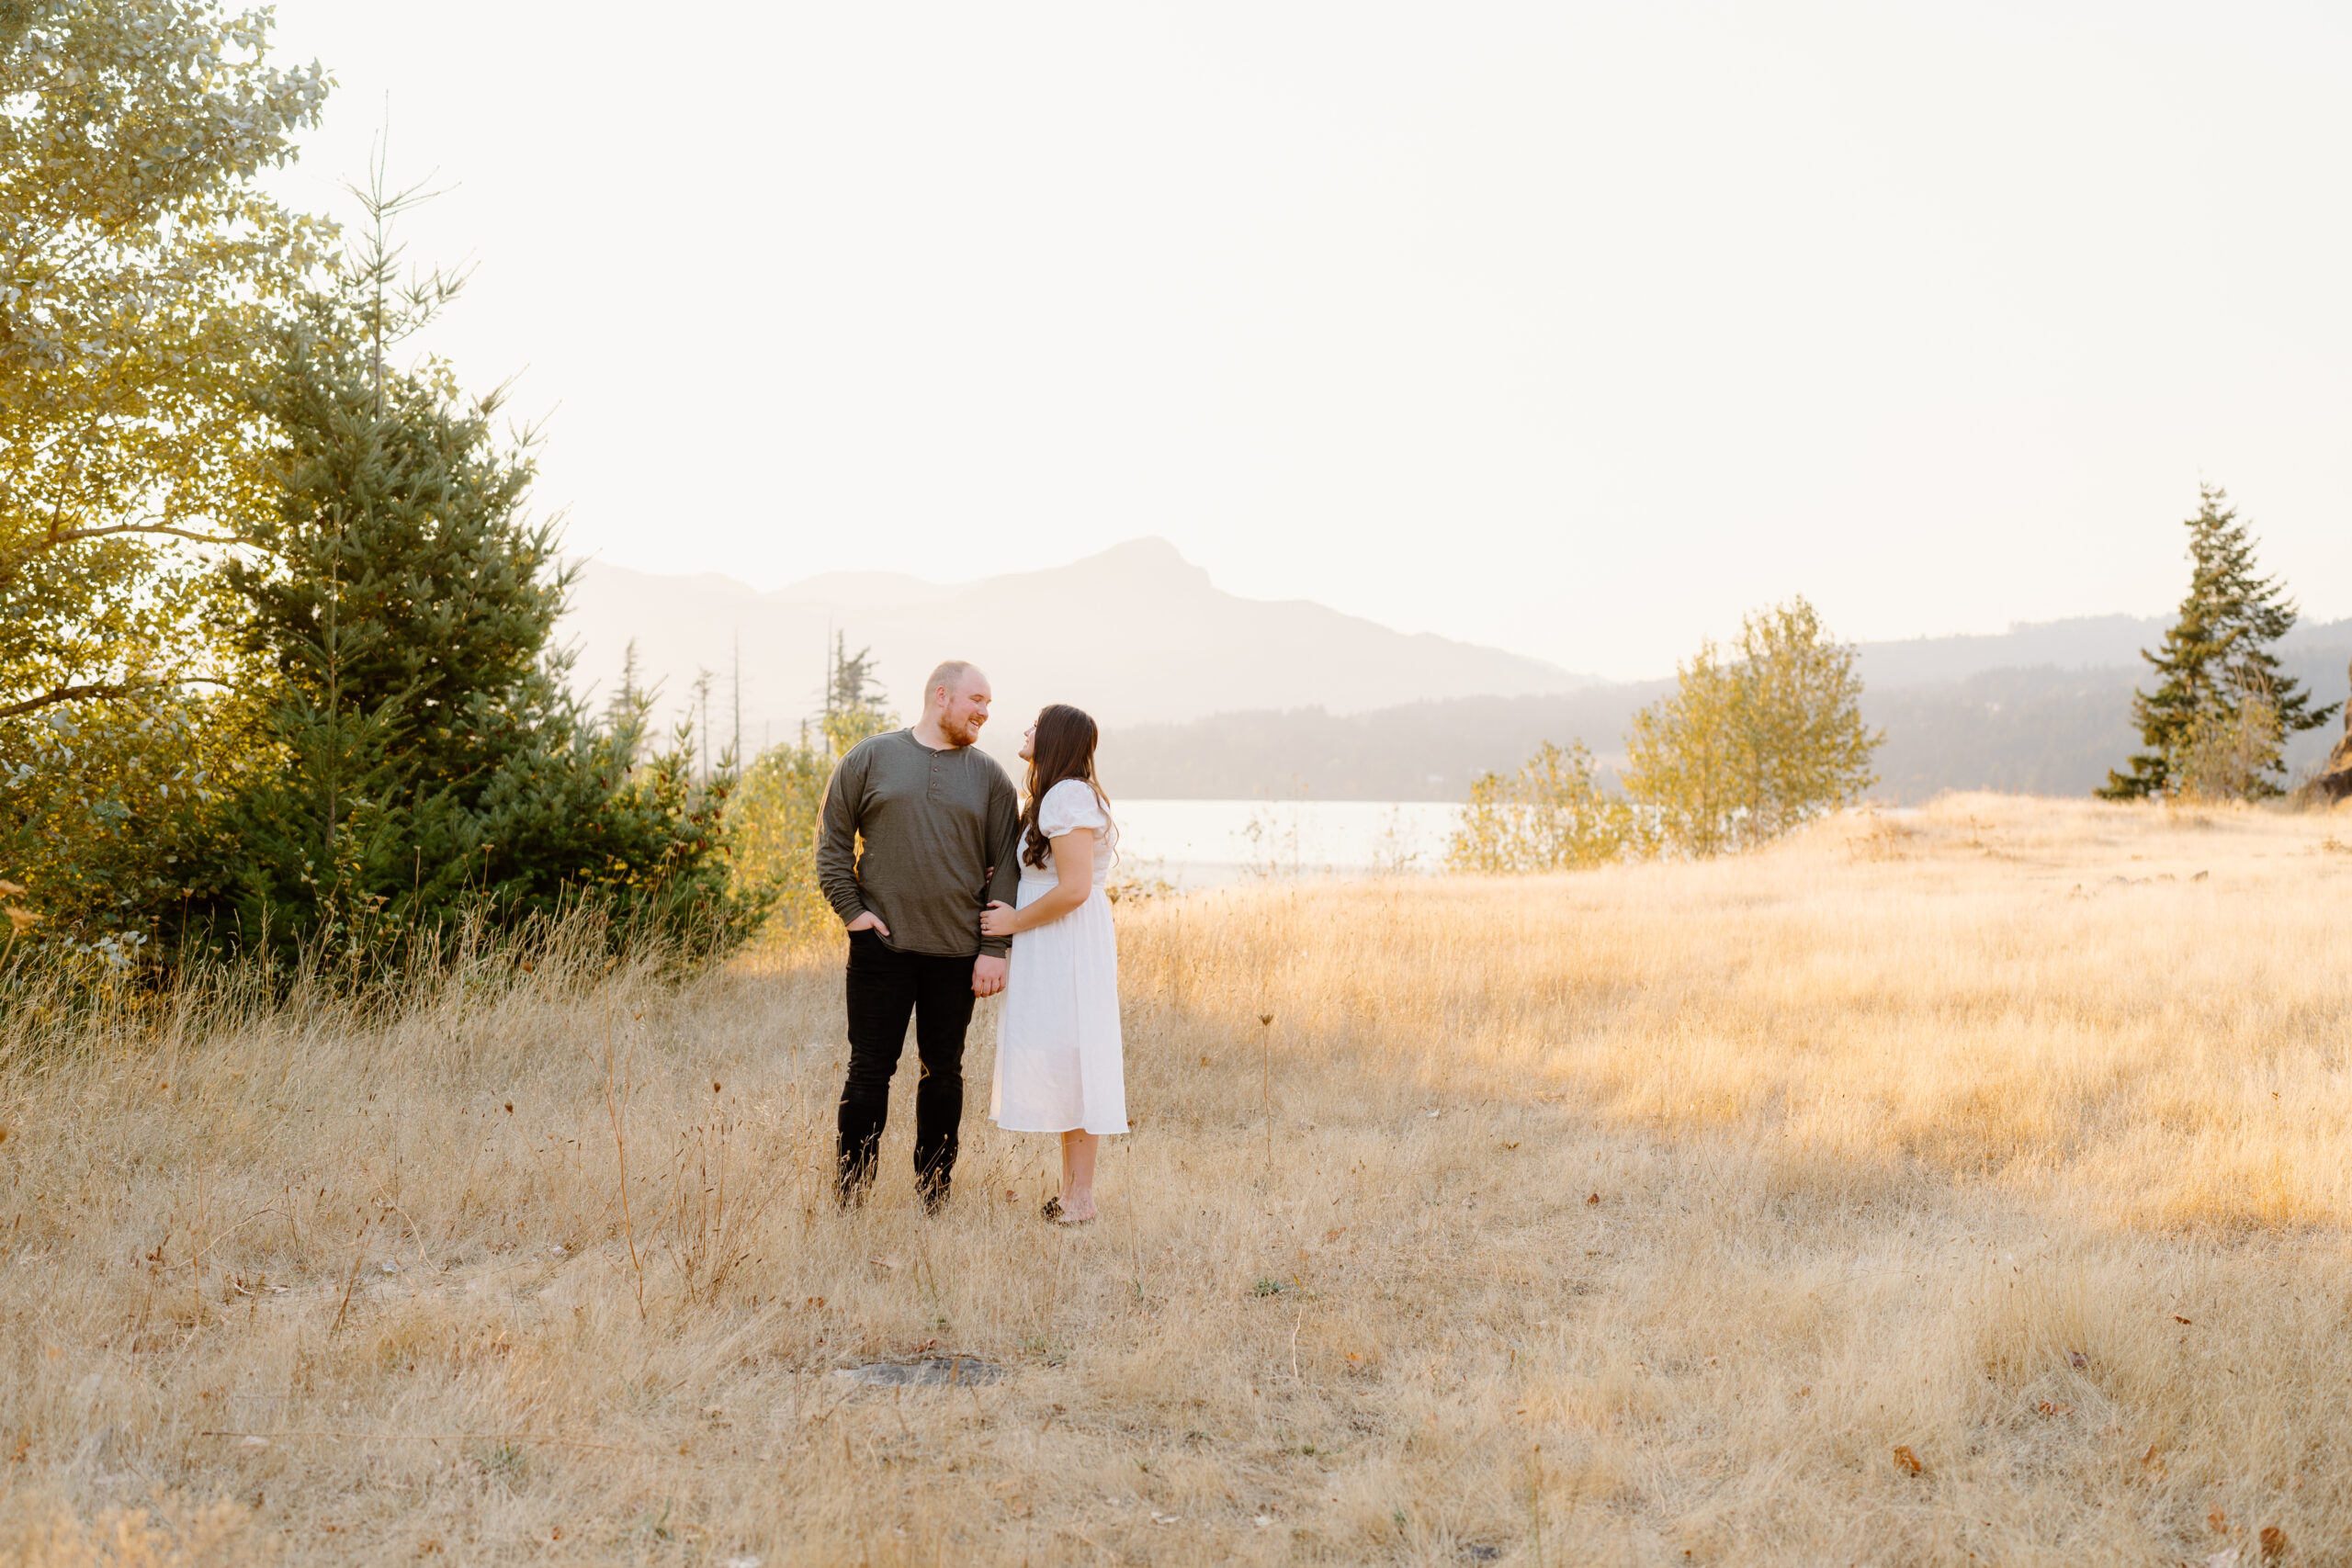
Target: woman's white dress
(1059,1064)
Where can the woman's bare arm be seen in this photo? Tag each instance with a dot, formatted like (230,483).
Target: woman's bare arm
(1073,880)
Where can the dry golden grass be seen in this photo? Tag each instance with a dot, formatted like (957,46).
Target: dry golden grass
(1881,1199)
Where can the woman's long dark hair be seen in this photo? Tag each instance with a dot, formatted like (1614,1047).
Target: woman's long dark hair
(1064,749)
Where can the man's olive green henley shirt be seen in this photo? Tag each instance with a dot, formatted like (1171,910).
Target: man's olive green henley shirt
(941,831)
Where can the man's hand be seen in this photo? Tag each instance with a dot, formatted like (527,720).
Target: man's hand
(869,921)
(987,974)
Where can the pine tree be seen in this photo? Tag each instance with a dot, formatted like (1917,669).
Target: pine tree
(2217,720)
(432,759)
(854,705)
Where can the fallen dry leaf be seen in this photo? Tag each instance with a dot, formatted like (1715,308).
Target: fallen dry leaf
(1595,1198)
(2274,1542)
(2080,1361)
(1334,1234)
(2217,1522)
(2052,1407)
(1513,1143)
(2177,1318)
(1905,1459)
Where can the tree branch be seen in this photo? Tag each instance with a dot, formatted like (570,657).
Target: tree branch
(75,535)
(62,694)
(103,689)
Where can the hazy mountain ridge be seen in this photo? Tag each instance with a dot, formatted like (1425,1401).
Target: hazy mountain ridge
(1205,695)
(1957,712)
(1134,634)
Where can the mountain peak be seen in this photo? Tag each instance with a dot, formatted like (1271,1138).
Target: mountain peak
(1133,632)
(1149,557)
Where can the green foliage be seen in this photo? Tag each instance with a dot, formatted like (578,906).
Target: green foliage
(182,369)
(111,809)
(428,761)
(772,816)
(2217,723)
(1551,815)
(144,270)
(1747,748)
(772,835)
(1744,749)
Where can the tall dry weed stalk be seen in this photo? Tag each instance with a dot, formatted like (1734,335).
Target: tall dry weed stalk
(617,1087)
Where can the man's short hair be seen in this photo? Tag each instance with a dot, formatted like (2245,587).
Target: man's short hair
(950,675)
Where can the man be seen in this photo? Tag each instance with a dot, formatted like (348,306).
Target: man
(941,826)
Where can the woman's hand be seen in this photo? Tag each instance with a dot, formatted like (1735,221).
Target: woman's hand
(999,918)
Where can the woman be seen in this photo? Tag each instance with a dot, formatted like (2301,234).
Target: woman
(1058,1053)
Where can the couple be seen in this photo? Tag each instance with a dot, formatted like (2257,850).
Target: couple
(936,867)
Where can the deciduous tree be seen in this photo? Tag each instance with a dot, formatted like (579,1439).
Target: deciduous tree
(143,275)
(141,272)
(1750,746)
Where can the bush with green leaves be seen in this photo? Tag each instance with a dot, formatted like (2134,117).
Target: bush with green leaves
(1751,744)
(1552,815)
(1754,742)
(773,812)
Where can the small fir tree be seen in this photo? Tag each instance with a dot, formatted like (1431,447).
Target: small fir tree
(2218,721)
(431,758)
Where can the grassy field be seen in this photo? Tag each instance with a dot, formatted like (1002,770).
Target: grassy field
(1966,1188)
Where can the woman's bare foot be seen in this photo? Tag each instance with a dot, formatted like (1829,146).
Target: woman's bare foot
(1076,1205)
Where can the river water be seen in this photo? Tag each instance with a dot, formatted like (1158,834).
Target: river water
(1203,843)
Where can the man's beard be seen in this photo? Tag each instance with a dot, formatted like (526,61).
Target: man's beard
(961,732)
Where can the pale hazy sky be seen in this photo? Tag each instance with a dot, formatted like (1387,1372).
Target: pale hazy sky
(1574,328)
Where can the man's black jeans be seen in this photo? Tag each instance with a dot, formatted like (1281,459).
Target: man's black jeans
(884,987)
